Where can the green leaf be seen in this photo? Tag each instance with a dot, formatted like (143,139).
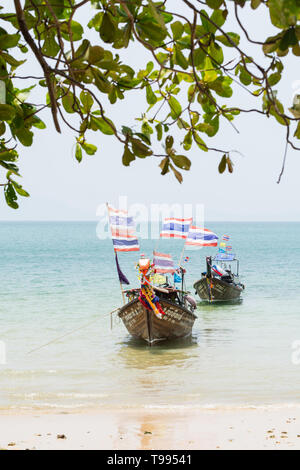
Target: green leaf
(214,4)
(274,78)
(102,83)
(25,136)
(9,40)
(150,95)
(128,156)
(289,39)
(10,196)
(169,142)
(76,30)
(284,13)
(204,20)
(210,73)
(57,6)
(124,38)
(218,18)
(245,77)
(8,155)
(90,149)
(159,131)
(11,60)
(108,28)
(152,30)
(7,112)
(214,126)
(2,128)
(201,144)
(229,164)
(86,100)
(222,164)
(50,46)
(95,54)
(297,131)
(139,149)
(180,59)
(199,57)
(78,152)
(164,165)
(177,30)
(222,86)
(296,50)
(274,112)
(175,107)
(106,126)
(146,130)
(181,161)
(19,189)
(230,40)
(177,174)
(157,16)
(255,4)
(272,44)
(188,140)
(38,123)
(70,103)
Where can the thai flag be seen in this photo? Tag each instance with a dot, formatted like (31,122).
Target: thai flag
(175,228)
(163,263)
(226,237)
(228,248)
(198,237)
(122,230)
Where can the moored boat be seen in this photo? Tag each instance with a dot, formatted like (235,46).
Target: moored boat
(176,322)
(221,281)
(156,313)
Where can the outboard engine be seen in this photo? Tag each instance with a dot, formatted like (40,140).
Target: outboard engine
(208,266)
(190,302)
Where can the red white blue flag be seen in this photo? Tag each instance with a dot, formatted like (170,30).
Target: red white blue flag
(175,228)
(122,230)
(199,237)
(163,263)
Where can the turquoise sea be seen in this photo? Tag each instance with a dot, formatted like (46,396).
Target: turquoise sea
(56,277)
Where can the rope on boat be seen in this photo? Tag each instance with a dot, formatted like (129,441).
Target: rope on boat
(71,332)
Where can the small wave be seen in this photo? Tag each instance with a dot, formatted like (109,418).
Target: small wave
(27,371)
(58,395)
(45,407)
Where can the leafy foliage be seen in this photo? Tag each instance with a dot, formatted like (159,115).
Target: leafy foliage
(193,65)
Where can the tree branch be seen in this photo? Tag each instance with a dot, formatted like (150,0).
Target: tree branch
(41,60)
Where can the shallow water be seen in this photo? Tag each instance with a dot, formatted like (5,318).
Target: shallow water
(56,277)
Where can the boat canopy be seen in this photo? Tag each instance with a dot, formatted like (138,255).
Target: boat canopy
(225,257)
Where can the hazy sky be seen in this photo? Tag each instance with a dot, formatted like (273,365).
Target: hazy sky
(62,189)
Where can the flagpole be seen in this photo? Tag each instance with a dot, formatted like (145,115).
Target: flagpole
(122,291)
(182,253)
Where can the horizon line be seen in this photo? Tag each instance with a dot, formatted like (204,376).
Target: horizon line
(97,220)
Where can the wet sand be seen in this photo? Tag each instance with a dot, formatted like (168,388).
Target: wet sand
(154,429)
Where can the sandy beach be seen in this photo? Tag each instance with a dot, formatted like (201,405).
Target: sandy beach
(153,429)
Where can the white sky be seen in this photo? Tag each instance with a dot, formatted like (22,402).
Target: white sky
(62,189)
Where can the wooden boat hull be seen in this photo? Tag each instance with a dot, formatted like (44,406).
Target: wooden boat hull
(144,324)
(217,290)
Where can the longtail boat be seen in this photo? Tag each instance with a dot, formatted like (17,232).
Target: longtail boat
(152,312)
(220,282)
(155,313)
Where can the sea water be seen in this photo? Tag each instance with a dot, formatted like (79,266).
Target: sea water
(58,277)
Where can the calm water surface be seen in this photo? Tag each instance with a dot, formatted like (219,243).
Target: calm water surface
(56,277)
